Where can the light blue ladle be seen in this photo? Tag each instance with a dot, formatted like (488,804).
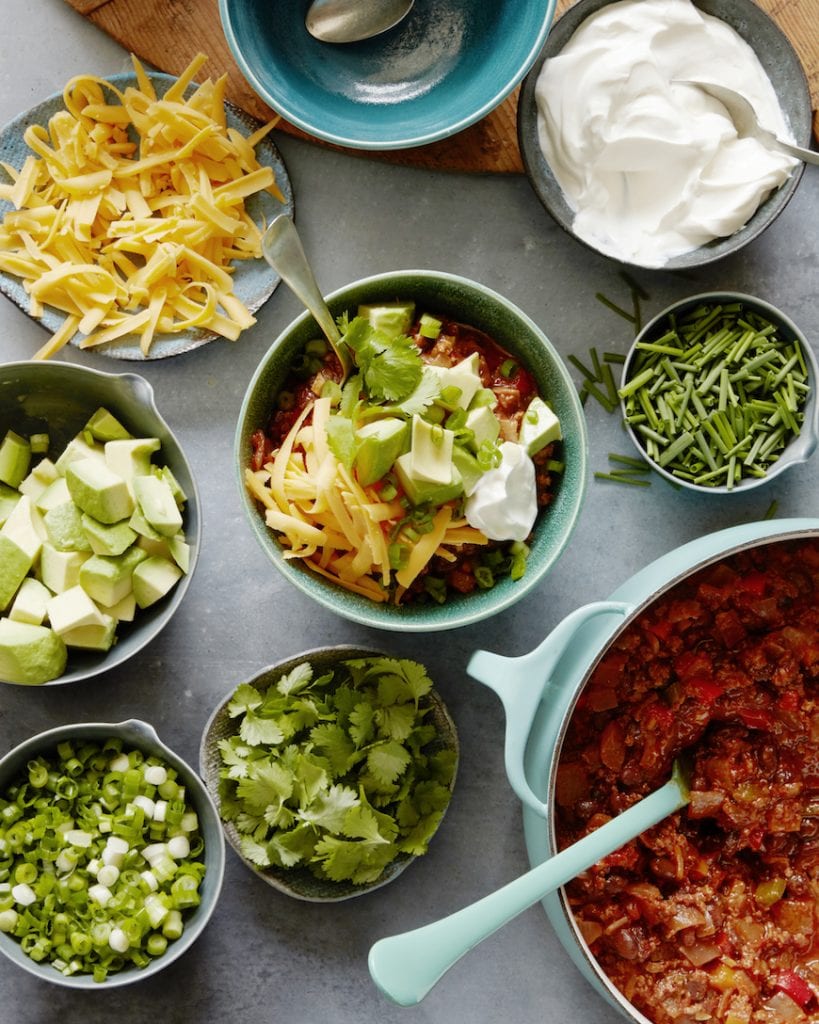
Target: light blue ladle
(406,966)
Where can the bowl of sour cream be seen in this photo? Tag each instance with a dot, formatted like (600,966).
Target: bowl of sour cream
(642,167)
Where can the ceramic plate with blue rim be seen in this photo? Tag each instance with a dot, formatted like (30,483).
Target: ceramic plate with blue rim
(254,280)
(441,69)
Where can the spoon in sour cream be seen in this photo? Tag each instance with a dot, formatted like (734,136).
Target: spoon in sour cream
(746,123)
(283,250)
(348,21)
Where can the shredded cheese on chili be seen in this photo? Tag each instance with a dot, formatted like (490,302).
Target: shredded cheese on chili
(337,527)
(135,237)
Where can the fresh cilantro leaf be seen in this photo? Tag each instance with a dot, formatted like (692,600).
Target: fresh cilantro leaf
(362,720)
(357,860)
(310,778)
(329,807)
(245,698)
(417,840)
(255,852)
(256,730)
(396,720)
(430,796)
(234,757)
(268,784)
(335,744)
(295,680)
(290,848)
(360,822)
(423,395)
(341,440)
(390,365)
(388,760)
(417,679)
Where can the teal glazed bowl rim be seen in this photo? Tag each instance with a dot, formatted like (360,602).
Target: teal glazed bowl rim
(58,397)
(445,66)
(144,737)
(798,450)
(778,58)
(480,307)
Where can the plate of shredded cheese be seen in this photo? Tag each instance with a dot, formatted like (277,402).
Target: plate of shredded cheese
(132,212)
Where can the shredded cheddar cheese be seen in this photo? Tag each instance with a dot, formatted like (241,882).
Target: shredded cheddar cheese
(129,215)
(340,529)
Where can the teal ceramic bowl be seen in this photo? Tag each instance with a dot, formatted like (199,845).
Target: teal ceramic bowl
(445,66)
(469,303)
(58,398)
(140,736)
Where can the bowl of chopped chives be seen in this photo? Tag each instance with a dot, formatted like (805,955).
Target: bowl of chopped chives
(111,854)
(718,393)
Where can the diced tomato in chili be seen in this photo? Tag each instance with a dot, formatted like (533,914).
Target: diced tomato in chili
(797,988)
(704,689)
(753,583)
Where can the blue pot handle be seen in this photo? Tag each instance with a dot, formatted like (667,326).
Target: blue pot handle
(522,683)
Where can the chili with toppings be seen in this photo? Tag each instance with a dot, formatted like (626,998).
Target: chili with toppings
(712,915)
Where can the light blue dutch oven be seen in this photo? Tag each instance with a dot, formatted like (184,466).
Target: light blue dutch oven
(539,691)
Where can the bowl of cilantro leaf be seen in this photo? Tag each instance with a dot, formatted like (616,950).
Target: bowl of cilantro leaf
(434,485)
(332,770)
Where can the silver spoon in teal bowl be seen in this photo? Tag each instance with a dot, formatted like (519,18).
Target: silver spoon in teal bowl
(348,21)
(405,967)
(283,250)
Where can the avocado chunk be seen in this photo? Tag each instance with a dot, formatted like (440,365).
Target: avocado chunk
(180,552)
(393,318)
(484,426)
(130,458)
(124,610)
(8,499)
(158,504)
(429,326)
(431,452)
(60,570)
(467,466)
(422,492)
(39,479)
(379,445)
(104,426)
(153,578)
(107,579)
(539,427)
(76,449)
(72,608)
(99,491)
(64,528)
(15,564)
(464,376)
(15,458)
(30,653)
(98,636)
(107,538)
(55,494)
(31,602)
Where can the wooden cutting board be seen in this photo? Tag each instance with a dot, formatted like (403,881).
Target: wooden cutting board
(169,33)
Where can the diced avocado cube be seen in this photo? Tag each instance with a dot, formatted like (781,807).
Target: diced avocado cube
(15,564)
(107,579)
(139,524)
(39,443)
(158,504)
(124,610)
(22,528)
(76,449)
(484,426)
(60,570)
(153,578)
(55,494)
(104,426)
(38,479)
(8,499)
(131,458)
(72,608)
(379,445)
(64,528)
(158,545)
(539,426)
(99,491)
(393,318)
(98,636)
(165,472)
(422,492)
(484,396)
(107,538)
(429,326)
(180,552)
(31,602)
(30,653)
(431,452)
(467,466)
(15,458)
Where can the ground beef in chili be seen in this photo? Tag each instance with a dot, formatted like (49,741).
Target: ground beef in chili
(713,914)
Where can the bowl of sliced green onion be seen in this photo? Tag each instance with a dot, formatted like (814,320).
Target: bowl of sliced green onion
(111,855)
(718,393)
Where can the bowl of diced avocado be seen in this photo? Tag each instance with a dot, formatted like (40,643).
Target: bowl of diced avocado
(434,486)
(99,521)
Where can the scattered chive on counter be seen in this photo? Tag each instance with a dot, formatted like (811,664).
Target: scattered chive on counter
(714,396)
(100,858)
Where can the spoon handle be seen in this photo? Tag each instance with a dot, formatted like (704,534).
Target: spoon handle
(808,155)
(406,966)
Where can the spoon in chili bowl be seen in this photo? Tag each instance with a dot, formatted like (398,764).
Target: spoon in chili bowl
(406,966)
(283,250)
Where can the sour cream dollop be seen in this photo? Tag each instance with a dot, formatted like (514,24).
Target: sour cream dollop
(504,502)
(653,168)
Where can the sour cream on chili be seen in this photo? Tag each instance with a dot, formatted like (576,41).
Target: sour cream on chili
(653,168)
(504,502)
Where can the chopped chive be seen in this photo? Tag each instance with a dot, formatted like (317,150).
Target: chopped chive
(587,373)
(770,511)
(620,478)
(615,308)
(629,460)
